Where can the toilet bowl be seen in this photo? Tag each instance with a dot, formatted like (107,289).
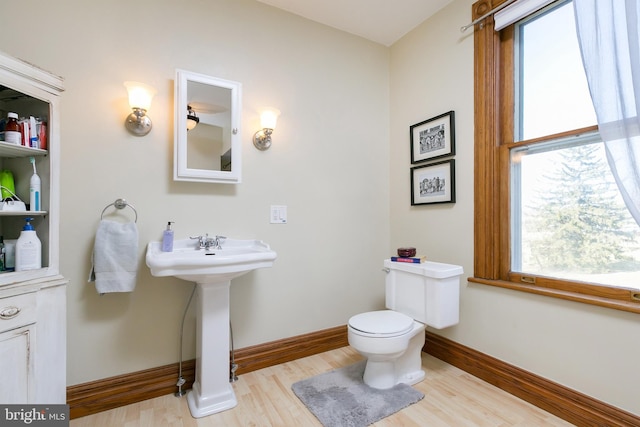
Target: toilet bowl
(417,295)
(392,343)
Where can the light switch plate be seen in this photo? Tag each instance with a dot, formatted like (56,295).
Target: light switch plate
(278,214)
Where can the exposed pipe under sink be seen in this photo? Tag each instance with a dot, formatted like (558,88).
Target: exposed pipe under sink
(234,367)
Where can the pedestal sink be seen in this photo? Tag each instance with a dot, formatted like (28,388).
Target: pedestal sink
(212,269)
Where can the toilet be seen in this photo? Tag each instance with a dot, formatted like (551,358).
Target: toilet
(416,296)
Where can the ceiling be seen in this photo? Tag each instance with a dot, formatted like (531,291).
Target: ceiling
(382,21)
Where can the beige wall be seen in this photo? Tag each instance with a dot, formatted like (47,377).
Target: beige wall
(590,349)
(340,161)
(329,165)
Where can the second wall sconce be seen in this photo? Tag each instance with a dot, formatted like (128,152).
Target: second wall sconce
(262,138)
(140,96)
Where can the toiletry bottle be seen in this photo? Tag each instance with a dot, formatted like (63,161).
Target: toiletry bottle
(12,132)
(28,249)
(42,135)
(10,254)
(7,187)
(2,255)
(167,238)
(34,188)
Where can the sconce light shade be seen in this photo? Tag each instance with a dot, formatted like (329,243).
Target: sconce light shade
(268,120)
(192,119)
(140,96)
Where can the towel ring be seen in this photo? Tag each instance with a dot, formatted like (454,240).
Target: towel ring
(120,204)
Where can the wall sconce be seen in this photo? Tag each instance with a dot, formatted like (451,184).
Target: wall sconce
(140,96)
(262,138)
(192,119)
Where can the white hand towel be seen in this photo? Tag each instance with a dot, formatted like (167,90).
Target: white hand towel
(115,257)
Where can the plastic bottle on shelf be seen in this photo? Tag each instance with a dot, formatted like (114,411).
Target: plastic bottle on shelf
(2,255)
(42,134)
(28,249)
(7,186)
(12,132)
(10,254)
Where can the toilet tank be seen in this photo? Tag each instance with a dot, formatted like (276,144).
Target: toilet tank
(429,292)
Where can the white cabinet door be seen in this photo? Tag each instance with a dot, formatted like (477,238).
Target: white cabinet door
(16,365)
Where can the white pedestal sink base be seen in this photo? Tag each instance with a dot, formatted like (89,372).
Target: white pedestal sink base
(212,392)
(202,406)
(212,270)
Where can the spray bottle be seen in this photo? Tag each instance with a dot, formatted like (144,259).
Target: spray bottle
(34,189)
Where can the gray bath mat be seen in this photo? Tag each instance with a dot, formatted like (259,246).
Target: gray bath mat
(339,398)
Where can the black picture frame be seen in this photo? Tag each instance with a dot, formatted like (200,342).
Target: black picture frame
(433,183)
(433,138)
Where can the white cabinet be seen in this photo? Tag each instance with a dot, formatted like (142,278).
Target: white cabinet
(32,303)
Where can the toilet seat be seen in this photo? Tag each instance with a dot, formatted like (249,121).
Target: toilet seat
(383,323)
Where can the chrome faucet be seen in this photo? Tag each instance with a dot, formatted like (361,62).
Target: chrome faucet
(206,242)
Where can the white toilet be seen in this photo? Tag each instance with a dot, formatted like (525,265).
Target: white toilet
(417,295)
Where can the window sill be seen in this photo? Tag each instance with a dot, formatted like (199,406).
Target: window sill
(630,306)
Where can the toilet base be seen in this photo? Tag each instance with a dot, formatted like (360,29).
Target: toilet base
(407,368)
(412,378)
(380,375)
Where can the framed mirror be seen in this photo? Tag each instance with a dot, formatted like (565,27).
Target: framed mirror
(207,146)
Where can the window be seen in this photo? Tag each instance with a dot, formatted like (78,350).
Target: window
(549,217)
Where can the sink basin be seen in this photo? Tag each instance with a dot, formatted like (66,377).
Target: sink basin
(212,270)
(187,262)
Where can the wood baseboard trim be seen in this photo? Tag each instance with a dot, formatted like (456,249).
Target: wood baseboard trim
(285,350)
(574,407)
(114,392)
(570,405)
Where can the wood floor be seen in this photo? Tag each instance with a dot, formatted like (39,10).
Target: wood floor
(452,398)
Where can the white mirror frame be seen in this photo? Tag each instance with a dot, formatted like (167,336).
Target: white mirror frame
(181,172)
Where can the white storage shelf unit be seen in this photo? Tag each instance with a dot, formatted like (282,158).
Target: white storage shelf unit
(29,91)
(33,302)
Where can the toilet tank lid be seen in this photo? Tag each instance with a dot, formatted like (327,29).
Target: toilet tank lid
(382,322)
(436,270)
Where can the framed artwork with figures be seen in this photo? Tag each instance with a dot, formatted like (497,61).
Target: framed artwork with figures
(433,138)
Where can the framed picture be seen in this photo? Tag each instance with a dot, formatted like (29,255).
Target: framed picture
(433,138)
(433,183)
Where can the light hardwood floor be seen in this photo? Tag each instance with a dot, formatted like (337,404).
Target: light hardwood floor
(452,398)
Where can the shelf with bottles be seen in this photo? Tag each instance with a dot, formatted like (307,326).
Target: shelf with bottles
(23,213)
(8,150)
(28,116)
(10,230)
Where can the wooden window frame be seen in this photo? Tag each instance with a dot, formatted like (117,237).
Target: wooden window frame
(494,101)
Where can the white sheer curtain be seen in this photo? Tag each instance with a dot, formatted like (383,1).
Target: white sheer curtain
(609,39)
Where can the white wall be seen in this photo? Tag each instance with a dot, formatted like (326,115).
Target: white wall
(328,164)
(587,348)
